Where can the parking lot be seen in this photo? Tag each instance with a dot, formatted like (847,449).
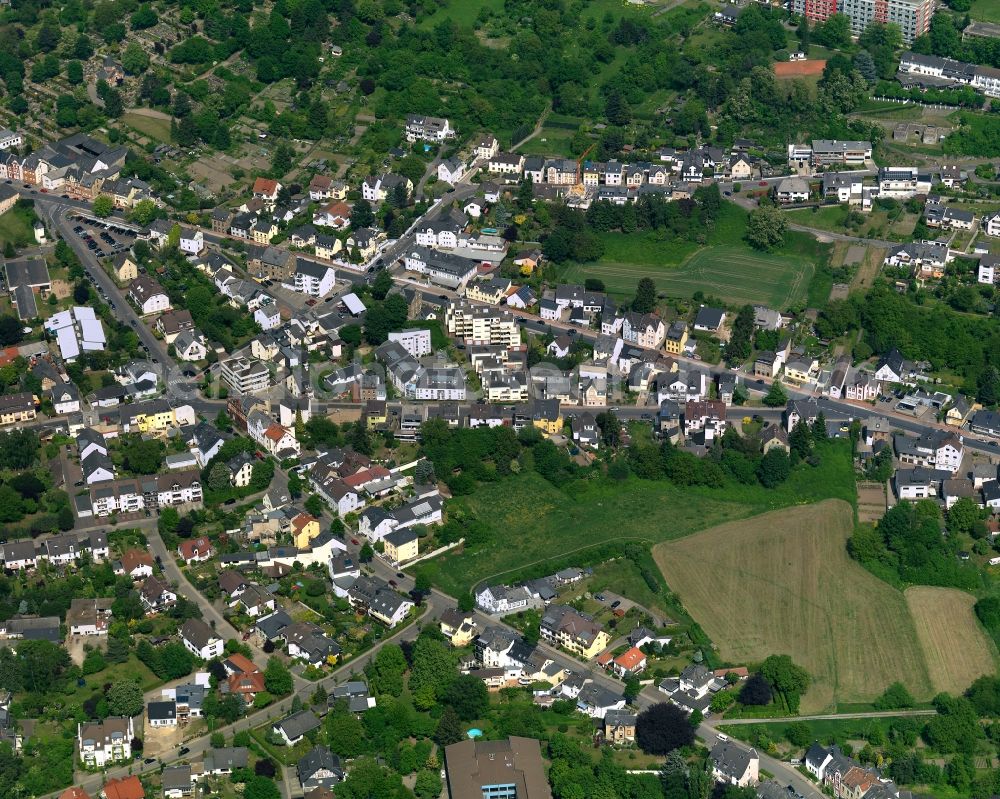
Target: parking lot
(104,239)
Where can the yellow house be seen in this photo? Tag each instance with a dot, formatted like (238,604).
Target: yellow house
(958,412)
(154,419)
(547,417)
(401,546)
(491,291)
(264,231)
(800,370)
(305,528)
(677,336)
(376,414)
(458,627)
(564,626)
(125,268)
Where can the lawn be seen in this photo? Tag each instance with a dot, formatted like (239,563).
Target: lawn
(155,128)
(790,587)
(985,10)
(896,225)
(15,227)
(531,523)
(826,731)
(461,12)
(724,267)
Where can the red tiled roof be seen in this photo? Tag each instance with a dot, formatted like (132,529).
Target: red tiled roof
(740,671)
(275,432)
(74,793)
(195,546)
(134,558)
(604,658)
(631,658)
(302,520)
(265,186)
(246,683)
(124,788)
(243,663)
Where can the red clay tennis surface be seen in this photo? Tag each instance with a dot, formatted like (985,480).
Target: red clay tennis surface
(799,69)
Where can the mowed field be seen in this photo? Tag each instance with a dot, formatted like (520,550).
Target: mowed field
(955,645)
(736,274)
(783,583)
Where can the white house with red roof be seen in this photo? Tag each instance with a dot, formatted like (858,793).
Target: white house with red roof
(195,550)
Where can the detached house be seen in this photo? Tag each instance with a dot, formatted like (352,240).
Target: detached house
(564,626)
(148,296)
(195,550)
(200,639)
(735,765)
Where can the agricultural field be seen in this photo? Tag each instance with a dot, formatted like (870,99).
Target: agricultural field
(790,587)
(530,521)
(946,624)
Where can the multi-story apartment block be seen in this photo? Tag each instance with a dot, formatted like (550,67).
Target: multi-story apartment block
(105,742)
(245,375)
(479,324)
(912,16)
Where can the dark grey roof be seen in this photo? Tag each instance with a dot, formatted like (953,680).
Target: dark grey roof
(162,711)
(226,758)
(298,724)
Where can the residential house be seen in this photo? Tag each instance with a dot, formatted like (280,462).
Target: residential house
(200,639)
(733,764)
(103,743)
(195,550)
(319,768)
(566,627)
(294,728)
(148,296)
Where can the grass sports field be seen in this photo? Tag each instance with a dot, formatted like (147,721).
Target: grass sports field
(946,624)
(726,267)
(784,583)
(530,521)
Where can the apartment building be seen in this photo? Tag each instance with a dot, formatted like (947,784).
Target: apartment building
(479,324)
(912,16)
(245,375)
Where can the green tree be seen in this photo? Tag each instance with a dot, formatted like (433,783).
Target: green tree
(449,729)
(143,213)
(103,205)
(260,788)
(362,214)
(468,695)
(786,678)
(776,396)
(774,468)
(125,698)
(277,677)
(281,160)
(382,284)
(428,784)
(765,228)
(135,60)
(74,72)
(218,477)
(143,456)
(645,296)
(314,505)
(962,516)
(345,733)
(385,671)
